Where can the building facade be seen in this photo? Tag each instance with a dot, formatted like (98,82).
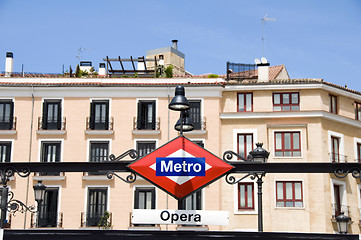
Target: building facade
(86,120)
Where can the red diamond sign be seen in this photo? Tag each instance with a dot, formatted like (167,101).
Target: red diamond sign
(180,167)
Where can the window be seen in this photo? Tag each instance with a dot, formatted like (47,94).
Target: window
(51,115)
(333,104)
(199,142)
(337,199)
(358,111)
(245,196)
(245,144)
(286,102)
(195,114)
(99,115)
(245,102)
(289,194)
(358,152)
(193,202)
(48,209)
(6,114)
(335,149)
(146,115)
(144,198)
(99,152)
(97,205)
(287,144)
(145,147)
(5,151)
(50,152)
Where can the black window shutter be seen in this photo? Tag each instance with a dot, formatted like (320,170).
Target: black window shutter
(45,115)
(139,118)
(59,120)
(107,115)
(11,115)
(92,115)
(153,115)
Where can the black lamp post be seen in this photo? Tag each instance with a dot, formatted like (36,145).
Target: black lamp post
(342,223)
(257,155)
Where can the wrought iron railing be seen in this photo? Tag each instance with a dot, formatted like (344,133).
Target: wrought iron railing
(9,124)
(46,220)
(336,157)
(240,71)
(91,219)
(44,124)
(99,124)
(142,125)
(200,125)
(338,209)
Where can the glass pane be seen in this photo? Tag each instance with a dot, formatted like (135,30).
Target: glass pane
(296,141)
(141,200)
(241,102)
(97,113)
(278,140)
(289,191)
(279,154)
(287,154)
(277,108)
(286,99)
(286,108)
(150,113)
(249,102)
(296,153)
(276,98)
(289,204)
(249,196)
(295,108)
(298,190)
(287,140)
(249,140)
(241,144)
(2,111)
(279,190)
(294,98)
(242,194)
(280,204)
(298,204)
(149,200)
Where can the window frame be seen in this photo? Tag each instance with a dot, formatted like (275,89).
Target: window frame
(333,107)
(290,104)
(142,123)
(147,141)
(244,143)
(245,101)
(239,208)
(45,111)
(7,124)
(144,188)
(284,197)
(283,149)
(196,117)
(358,111)
(8,144)
(87,198)
(41,206)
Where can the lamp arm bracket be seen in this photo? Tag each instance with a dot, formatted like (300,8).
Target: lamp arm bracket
(253,175)
(228,155)
(18,206)
(10,172)
(129,179)
(342,173)
(131,152)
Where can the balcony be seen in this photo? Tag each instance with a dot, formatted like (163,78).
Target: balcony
(56,127)
(200,128)
(337,209)
(96,126)
(46,220)
(143,128)
(49,176)
(336,158)
(92,219)
(8,127)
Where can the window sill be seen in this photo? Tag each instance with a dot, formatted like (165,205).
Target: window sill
(290,208)
(196,132)
(7,132)
(146,132)
(99,132)
(245,212)
(51,132)
(49,178)
(96,178)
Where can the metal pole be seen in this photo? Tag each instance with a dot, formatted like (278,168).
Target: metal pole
(3,205)
(181,126)
(260,218)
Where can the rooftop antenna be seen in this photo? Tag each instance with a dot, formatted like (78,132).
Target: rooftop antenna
(264,21)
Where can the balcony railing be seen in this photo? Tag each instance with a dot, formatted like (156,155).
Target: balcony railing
(44,124)
(200,125)
(336,158)
(46,220)
(99,124)
(91,219)
(139,125)
(338,209)
(9,124)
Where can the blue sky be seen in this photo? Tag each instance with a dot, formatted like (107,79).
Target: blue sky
(314,39)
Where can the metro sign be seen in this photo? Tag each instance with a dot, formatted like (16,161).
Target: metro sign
(180,167)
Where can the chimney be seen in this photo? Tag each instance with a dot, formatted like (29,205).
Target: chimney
(101,69)
(263,69)
(175,44)
(9,64)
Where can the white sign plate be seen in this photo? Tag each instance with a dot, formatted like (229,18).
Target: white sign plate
(191,217)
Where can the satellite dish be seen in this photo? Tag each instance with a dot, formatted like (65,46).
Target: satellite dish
(264,60)
(257,61)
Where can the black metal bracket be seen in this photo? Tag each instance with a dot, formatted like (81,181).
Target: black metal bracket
(14,206)
(253,175)
(132,176)
(342,173)
(9,172)
(228,155)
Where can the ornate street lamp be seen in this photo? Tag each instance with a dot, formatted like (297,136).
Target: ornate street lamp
(342,223)
(186,125)
(259,154)
(39,191)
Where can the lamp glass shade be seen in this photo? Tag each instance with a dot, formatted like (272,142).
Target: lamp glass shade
(187,123)
(179,101)
(39,191)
